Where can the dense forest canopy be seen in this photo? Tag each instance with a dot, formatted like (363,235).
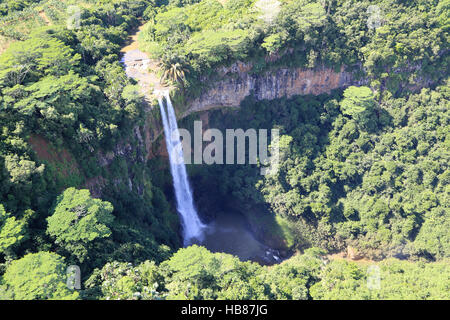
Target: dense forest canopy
(64,98)
(396,43)
(352,171)
(362,168)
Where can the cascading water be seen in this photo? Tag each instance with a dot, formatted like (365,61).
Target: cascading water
(192,226)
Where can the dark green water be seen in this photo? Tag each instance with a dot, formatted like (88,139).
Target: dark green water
(228,233)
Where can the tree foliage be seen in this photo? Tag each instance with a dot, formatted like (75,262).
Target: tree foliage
(339,184)
(78,219)
(397,43)
(364,168)
(196,273)
(38,276)
(11,230)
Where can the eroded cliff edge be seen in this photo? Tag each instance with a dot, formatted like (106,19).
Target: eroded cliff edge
(231,85)
(238,82)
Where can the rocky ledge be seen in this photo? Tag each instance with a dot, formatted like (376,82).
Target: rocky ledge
(237,82)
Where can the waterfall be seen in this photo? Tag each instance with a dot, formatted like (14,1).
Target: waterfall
(192,226)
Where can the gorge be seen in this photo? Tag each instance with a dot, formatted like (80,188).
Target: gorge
(90,158)
(228,87)
(229,231)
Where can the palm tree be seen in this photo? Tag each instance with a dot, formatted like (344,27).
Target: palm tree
(173,71)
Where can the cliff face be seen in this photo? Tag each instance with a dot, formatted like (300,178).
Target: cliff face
(237,83)
(234,85)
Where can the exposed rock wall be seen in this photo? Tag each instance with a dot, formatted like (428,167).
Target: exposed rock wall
(234,84)
(237,83)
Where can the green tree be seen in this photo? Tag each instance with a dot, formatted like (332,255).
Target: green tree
(26,60)
(78,219)
(173,71)
(39,276)
(341,280)
(196,273)
(359,103)
(433,238)
(11,231)
(292,279)
(403,280)
(122,281)
(274,42)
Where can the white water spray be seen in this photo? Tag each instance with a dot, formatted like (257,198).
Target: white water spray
(192,226)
